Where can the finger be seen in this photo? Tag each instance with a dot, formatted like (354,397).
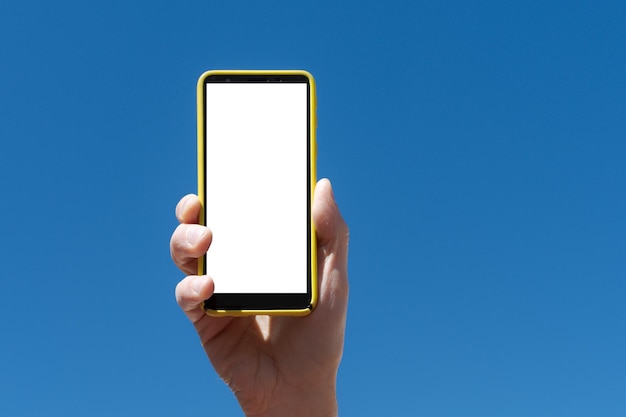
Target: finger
(188,209)
(329,224)
(191,293)
(332,255)
(188,243)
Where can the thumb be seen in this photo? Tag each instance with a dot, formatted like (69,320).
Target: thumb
(329,224)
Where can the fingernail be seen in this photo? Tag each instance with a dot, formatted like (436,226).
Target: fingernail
(195,233)
(198,284)
(181,208)
(183,204)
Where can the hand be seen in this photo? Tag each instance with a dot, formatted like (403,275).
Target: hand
(276,366)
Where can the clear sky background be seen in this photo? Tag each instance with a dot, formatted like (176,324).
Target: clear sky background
(477,149)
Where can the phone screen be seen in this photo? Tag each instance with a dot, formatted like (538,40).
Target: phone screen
(257,190)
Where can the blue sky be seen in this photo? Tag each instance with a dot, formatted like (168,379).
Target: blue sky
(476,149)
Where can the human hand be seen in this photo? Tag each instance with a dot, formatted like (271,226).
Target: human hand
(276,366)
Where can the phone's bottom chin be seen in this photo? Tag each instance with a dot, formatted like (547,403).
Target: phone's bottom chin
(233,304)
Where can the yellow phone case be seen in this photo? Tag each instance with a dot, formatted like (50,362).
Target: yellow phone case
(313,177)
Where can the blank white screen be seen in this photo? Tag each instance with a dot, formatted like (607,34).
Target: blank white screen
(256,186)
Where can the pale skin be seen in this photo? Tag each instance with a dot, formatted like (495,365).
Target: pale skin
(275,366)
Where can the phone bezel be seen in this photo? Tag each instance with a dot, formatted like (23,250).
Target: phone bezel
(264,303)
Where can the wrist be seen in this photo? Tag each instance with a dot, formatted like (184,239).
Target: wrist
(312,402)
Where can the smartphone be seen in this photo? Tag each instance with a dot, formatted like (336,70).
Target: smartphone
(256,177)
